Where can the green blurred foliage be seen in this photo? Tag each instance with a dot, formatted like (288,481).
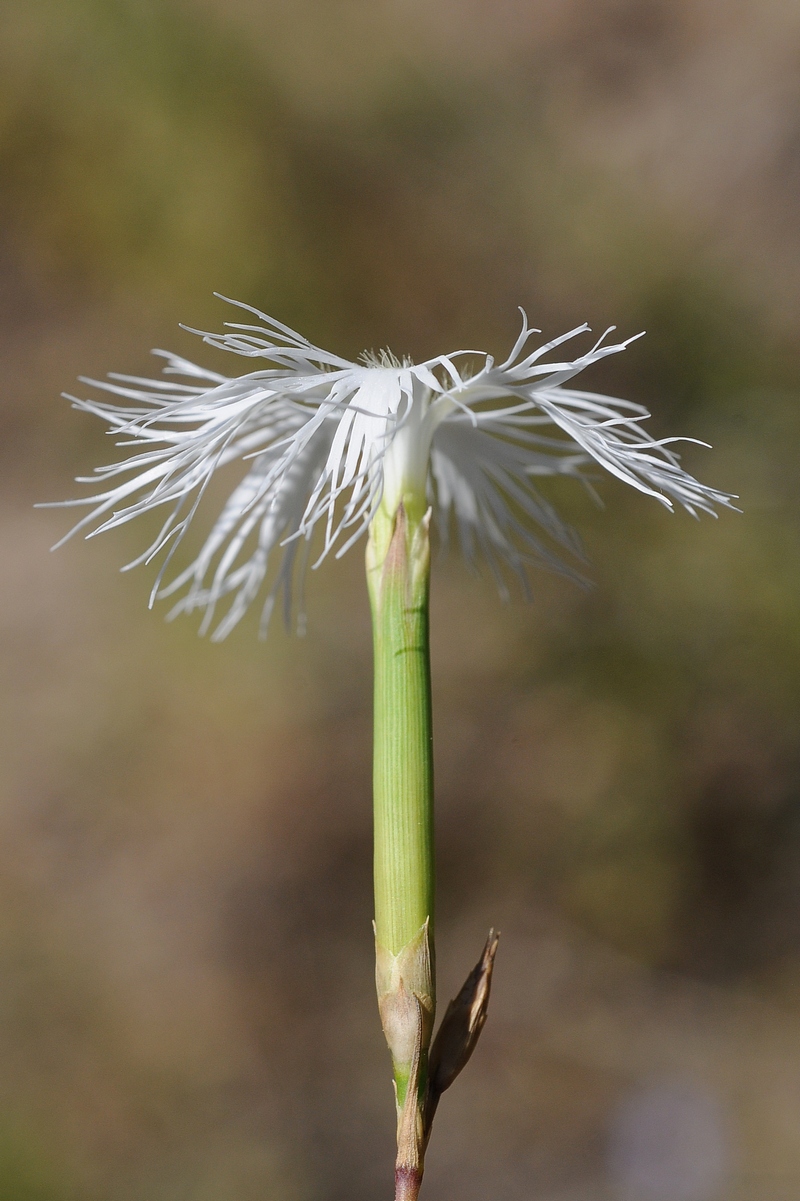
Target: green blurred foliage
(135,151)
(28,1172)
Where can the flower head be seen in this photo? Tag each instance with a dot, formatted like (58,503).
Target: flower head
(326,442)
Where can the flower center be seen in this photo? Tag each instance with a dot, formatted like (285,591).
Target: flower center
(405,463)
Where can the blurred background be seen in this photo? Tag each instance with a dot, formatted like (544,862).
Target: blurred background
(186,993)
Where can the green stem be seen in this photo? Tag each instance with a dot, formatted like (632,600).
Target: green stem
(398,572)
(403,747)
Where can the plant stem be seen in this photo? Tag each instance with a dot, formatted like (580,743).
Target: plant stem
(403,747)
(398,570)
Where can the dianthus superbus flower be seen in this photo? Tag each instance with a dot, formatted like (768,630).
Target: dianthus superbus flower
(325,442)
(384,446)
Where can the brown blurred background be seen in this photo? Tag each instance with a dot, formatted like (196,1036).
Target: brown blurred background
(186,1004)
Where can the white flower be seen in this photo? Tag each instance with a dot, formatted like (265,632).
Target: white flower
(325,441)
